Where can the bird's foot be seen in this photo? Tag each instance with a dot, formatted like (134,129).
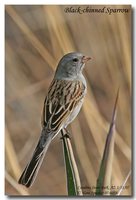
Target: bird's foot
(66,135)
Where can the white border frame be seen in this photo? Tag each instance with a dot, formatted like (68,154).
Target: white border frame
(2,76)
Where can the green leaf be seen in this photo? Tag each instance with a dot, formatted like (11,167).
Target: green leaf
(71,186)
(105,172)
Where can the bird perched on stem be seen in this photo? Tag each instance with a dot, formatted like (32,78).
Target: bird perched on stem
(62,104)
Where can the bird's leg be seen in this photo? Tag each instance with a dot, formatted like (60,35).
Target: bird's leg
(67,134)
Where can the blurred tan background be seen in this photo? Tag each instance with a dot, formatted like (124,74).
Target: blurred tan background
(36,38)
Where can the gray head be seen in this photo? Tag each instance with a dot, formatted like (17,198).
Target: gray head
(71,65)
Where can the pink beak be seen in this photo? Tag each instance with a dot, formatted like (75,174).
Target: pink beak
(85,59)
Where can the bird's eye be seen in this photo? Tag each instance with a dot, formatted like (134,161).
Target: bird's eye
(75,60)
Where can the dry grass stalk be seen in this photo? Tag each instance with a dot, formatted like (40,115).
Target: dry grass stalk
(31,37)
(87,166)
(110,146)
(94,116)
(15,185)
(12,157)
(63,36)
(124,183)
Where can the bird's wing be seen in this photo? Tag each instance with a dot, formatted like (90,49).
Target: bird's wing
(63,96)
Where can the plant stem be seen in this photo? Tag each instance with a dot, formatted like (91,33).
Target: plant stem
(75,173)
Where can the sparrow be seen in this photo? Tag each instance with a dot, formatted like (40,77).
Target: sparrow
(61,106)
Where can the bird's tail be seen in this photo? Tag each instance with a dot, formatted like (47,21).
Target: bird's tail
(29,174)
